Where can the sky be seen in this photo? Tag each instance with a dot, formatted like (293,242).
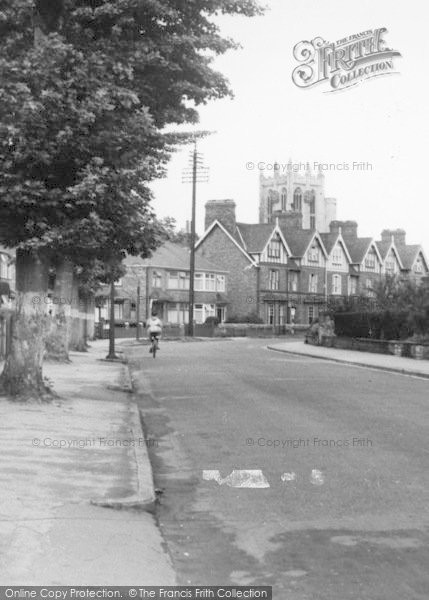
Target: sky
(382,122)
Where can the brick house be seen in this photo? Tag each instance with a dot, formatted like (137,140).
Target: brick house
(342,276)
(163,283)
(414,264)
(277,270)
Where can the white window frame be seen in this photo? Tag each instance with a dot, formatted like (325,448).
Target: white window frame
(337,285)
(274,279)
(313,283)
(314,254)
(274,249)
(220,283)
(199,282)
(210,282)
(173,276)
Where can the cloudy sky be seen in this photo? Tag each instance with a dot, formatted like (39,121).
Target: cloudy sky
(383,121)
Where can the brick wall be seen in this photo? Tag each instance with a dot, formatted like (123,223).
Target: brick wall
(241,279)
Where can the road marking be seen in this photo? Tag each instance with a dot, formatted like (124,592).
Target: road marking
(239,478)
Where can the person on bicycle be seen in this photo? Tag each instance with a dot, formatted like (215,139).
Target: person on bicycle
(154,329)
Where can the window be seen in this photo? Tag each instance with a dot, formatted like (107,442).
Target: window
(390,265)
(418,267)
(274,280)
(156,279)
(292,281)
(310,314)
(272,199)
(352,286)
(274,249)
(370,261)
(297,200)
(313,254)
(210,282)
(336,284)
(283,198)
(270,310)
(369,288)
(198,313)
(312,283)
(199,282)
(220,283)
(119,311)
(183,280)
(337,257)
(312,222)
(173,280)
(172,313)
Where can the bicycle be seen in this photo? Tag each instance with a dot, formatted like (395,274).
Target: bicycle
(154,344)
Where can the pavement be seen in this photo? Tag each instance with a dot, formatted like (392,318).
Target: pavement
(64,466)
(384,362)
(345,515)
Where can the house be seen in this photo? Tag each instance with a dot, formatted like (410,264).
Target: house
(414,264)
(277,270)
(366,265)
(342,276)
(162,282)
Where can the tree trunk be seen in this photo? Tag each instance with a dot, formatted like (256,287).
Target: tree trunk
(57,342)
(22,377)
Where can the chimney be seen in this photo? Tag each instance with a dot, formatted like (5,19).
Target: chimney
(222,211)
(289,219)
(399,235)
(348,228)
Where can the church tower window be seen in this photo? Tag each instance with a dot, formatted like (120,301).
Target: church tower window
(297,200)
(283,198)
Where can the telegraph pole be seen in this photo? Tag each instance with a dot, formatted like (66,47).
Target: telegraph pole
(192,260)
(196,174)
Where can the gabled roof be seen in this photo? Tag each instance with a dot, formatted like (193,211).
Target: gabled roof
(233,238)
(172,256)
(255,237)
(358,248)
(299,240)
(409,253)
(385,247)
(330,240)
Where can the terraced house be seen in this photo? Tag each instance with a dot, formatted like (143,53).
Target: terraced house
(162,282)
(282,272)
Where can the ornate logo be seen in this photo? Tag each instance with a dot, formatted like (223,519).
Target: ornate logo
(344,63)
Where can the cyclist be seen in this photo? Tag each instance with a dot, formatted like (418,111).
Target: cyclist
(154,329)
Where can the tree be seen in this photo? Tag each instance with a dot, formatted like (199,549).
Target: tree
(82,114)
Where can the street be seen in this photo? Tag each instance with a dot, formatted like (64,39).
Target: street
(343,449)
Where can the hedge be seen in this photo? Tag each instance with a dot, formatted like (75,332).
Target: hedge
(380,325)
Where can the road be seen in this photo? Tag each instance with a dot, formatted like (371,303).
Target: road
(343,449)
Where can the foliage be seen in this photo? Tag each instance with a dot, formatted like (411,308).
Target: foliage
(212,321)
(82,114)
(249,318)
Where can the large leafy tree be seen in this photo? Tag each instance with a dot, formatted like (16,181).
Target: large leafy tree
(86,90)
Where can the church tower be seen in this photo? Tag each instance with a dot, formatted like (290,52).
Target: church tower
(294,188)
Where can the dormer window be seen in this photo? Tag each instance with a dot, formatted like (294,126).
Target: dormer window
(370,261)
(337,257)
(274,249)
(418,267)
(313,254)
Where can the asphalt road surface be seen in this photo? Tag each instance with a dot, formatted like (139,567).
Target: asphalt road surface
(343,449)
